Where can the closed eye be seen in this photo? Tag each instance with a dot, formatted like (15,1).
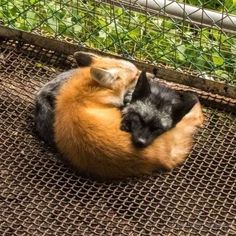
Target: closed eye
(137,121)
(155,128)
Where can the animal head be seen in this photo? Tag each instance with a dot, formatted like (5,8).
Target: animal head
(109,72)
(153,110)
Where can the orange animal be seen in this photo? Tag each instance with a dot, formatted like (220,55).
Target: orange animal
(87,124)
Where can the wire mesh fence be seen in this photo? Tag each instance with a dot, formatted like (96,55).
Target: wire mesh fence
(40,195)
(129,29)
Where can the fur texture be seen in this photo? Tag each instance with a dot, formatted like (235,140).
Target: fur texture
(87,125)
(153,109)
(45,98)
(44,106)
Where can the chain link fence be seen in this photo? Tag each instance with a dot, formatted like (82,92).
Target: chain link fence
(128,28)
(40,195)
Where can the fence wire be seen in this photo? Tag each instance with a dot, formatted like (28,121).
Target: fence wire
(40,195)
(155,38)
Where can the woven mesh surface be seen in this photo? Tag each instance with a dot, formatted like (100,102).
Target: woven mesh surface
(151,36)
(40,195)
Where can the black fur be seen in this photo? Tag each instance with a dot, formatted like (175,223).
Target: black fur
(44,108)
(45,99)
(153,109)
(83,59)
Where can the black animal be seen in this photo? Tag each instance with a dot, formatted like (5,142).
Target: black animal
(152,109)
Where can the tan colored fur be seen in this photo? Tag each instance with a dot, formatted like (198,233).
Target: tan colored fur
(87,129)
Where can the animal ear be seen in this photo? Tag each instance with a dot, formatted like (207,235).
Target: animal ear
(104,77)
(155,71)
(83,58)
(142,88)
(187,101)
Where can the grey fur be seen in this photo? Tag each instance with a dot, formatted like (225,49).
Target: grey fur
(152,109)
(148,112)
(45,102)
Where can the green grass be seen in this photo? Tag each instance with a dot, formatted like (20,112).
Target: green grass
(131,34)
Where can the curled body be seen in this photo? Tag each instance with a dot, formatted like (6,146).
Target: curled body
(44,106)
(46,96)
(152,108)
(87,125)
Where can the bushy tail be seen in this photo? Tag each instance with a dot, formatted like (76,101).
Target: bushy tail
(45,104)
(44,117)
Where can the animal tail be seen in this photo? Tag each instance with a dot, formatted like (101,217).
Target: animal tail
(44,117)
(45,104)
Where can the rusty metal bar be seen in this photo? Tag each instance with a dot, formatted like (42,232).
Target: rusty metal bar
(164,73)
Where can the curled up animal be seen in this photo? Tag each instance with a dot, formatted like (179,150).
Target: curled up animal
(87,119)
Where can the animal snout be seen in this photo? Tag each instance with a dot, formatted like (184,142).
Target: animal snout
(140,142)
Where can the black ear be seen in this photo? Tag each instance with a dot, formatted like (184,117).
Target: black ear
(142,88)
(187,101)
(155,71)
(83,58)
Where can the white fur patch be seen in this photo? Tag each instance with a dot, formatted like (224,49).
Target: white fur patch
(128,65)
(116,101)
(114,71)
(166,122)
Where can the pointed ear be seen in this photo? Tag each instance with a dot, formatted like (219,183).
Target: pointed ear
(104,77)
(83,58)
(187,101)
(142,88)
(155,71)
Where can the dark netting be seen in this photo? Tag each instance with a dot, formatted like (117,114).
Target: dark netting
(188,38)
(40,195)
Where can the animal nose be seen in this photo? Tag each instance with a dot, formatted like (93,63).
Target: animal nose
(141,142)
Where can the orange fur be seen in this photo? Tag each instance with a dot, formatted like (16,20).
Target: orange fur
(87,130)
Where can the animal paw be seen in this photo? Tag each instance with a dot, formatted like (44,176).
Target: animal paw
(128,97)
(125,124)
